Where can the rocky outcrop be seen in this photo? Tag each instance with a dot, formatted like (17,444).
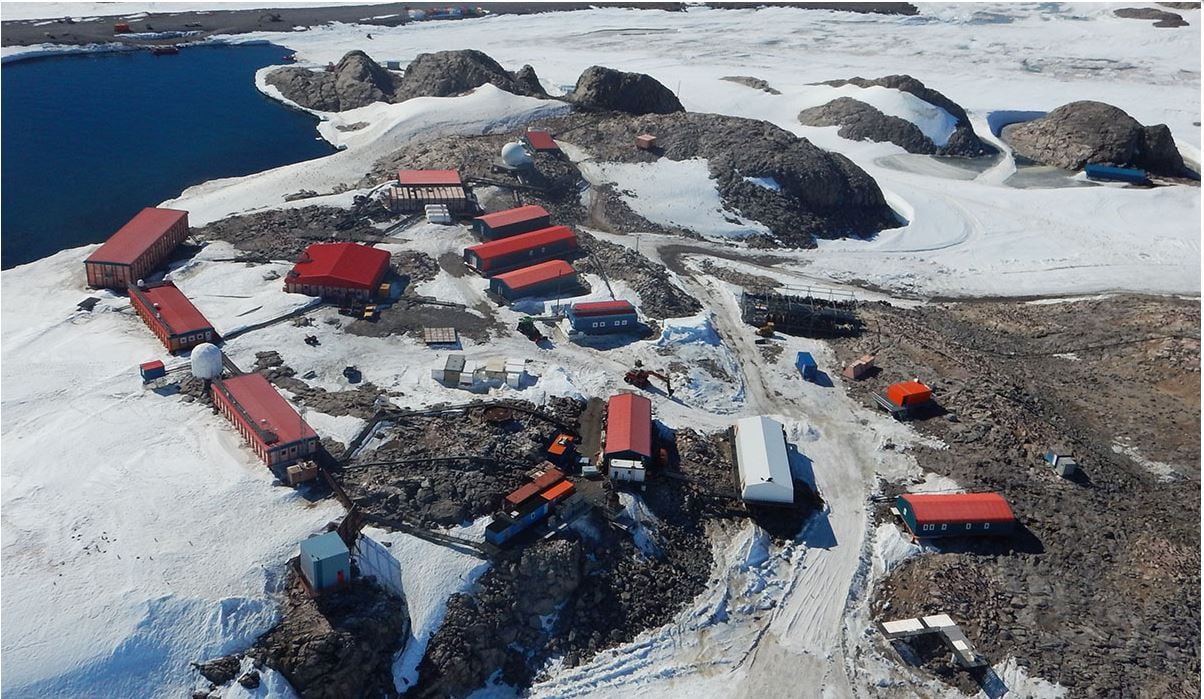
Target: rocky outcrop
(754,83)
(504,619)
(449,73)
(606,89)
(356,81)
(338,645)
(859,121)
(963,142)
(1079,133)
(819,194)
(1161,18)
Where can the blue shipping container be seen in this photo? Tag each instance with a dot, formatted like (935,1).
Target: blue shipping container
(1110,173)
(325,561)
(806,364)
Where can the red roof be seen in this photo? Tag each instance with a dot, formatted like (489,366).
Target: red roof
(957,508)
(345,265)
(172,307)
(602,308)
(561,489)
(541,140)
(429,178)
(523,241)
(535,274)
(266,409)
(523,494)
(629,424)
(549,478)
(136,237)
(511,216)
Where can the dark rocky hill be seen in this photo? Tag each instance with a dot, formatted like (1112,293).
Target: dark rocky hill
(606,89)
(357,80)
(1079,133)
(859,121)
(963,142)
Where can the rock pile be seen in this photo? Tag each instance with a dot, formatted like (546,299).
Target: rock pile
(443,494)
(340,644)
(282,234)
(661,298)
(357,80)
(754,83)
(859,121)
(1079,133)
(606,89)
(963,142)
(502,623)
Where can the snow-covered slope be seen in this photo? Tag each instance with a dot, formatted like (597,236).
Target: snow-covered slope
(128,515)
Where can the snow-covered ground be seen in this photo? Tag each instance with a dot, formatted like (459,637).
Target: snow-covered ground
(131,509)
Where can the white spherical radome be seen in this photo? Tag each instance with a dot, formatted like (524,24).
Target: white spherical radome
(514,155)
(206,361)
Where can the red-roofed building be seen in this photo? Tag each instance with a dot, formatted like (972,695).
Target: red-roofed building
(265,419)
(521,250)
(599,317)
(503,224)
(551,277)
(137,248)
(171,316)
(540,141)
(417,188)
(955,514)
(338,271)
(629,427)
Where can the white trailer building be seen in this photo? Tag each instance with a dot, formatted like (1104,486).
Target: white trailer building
(629,470)
(762,462)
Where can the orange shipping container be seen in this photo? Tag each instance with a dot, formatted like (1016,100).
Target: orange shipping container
(561,490)
(908,393)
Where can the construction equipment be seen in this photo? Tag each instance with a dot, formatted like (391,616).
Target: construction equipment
(640,379)
(527,328)
(766,330)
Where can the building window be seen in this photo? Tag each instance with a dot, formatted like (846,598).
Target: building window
(986,525)
(968,525)
(944,527)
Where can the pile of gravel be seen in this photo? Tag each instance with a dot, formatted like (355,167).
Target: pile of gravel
(1079,133)
(282,234)
(963,142)
(661,298)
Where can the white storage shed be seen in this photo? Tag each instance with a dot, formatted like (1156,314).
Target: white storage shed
(762,462)
(627,470)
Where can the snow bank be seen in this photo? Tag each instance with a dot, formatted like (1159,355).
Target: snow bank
(679,193)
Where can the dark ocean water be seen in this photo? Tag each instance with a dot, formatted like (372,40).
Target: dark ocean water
(86,141)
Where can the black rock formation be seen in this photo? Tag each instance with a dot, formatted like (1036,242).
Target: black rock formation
(963,141)
(606,89)
(1161,18)
(1079,133)
(357,80)
(859,121)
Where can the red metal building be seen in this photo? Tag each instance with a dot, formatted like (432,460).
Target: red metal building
(503,224)
(629,427)
(265,419)
(552,277)
(955,514)
(521,250)
(540,141)
(338,271)
(137,248)
(171,316)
